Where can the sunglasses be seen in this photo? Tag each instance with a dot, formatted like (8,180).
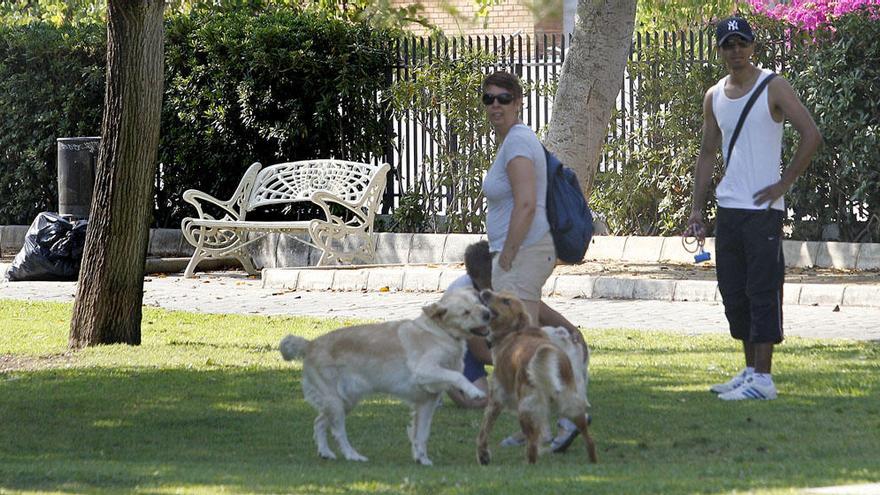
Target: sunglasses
(730,44)
(503,98)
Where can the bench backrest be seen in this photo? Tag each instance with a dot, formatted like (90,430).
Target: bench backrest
(297,181)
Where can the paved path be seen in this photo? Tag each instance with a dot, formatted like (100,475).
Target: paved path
(233,292)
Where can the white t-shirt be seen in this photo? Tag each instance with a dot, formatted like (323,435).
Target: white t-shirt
(520,141)
(757,153)
(462,282)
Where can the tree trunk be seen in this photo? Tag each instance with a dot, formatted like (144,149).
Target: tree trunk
(109,295)
(589,84)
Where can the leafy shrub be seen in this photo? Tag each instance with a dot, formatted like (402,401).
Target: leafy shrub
(443,97)
(651,194)
(280,85)
(838,78)
(836,74)
(51,86)
(241,86)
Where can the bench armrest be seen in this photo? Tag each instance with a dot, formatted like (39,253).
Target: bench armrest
(196,198)
(324,198)
(364,209)
(235,207)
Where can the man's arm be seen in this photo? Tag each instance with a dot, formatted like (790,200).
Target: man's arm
(709,144)
(785,103)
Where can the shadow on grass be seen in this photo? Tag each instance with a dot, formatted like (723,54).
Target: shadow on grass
(90,430)
(220,345)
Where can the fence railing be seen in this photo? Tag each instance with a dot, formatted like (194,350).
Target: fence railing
(538,62)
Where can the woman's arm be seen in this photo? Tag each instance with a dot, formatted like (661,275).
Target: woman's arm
(521,174)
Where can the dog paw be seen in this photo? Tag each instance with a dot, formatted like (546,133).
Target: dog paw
(483,457)
(354,456)
(327,455)
(424,461)
(474,393)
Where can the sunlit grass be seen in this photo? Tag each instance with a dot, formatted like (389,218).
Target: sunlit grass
(206,405)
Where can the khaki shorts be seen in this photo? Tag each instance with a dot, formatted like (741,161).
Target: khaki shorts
(528,272)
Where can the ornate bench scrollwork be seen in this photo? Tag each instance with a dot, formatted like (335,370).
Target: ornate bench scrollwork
(348,194)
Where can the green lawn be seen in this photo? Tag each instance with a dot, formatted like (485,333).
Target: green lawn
(206,405)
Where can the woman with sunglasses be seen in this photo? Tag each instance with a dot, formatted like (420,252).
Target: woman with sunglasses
(515,187)
(516,220)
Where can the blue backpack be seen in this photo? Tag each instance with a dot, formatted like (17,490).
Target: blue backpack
(570,218)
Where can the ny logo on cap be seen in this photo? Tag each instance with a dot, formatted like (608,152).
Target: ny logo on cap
(732,26)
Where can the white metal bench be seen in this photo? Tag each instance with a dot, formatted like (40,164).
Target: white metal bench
(357,187)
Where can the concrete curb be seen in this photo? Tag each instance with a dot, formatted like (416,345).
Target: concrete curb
(165,265)
(277,250)
(406,261)
(435,278)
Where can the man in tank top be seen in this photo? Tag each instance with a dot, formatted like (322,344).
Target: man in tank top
(749,262)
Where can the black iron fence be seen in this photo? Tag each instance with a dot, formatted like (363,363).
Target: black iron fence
(538,62)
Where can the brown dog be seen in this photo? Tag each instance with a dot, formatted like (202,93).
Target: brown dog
(531,376)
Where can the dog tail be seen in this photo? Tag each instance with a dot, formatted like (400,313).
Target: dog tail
(293,347)
(550,369)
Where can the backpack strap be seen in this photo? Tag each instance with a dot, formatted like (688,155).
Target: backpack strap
(745,112)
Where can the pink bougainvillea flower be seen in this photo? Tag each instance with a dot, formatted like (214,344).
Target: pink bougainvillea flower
(813,14)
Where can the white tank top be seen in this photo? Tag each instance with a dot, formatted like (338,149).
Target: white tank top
(757,153)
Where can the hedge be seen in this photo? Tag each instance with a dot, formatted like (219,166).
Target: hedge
(240,87)
(51,86)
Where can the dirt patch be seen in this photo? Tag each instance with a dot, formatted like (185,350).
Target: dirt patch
(11,363)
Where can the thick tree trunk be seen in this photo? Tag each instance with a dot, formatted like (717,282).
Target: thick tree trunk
(109,295)
(590,83)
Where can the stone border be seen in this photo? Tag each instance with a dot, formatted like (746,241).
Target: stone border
(277,250)
(435,278)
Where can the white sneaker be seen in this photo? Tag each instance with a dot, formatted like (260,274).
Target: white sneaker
(518,439)
(514,440)
(751,390)
(732,384)
(567,433)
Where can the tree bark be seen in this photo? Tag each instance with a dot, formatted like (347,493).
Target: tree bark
(107,308)
(589,84)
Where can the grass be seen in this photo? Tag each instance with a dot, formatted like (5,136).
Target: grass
(206,405)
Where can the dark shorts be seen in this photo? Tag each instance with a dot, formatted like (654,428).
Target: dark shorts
(473,369)
(751,270)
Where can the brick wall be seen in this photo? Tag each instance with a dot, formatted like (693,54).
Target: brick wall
(506,18)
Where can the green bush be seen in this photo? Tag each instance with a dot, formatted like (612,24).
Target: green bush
(443,97)
(51,86)
(275,86)
(838,78)
(651,193)
(240,86)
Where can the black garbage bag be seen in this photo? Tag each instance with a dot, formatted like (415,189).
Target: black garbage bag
(52,250)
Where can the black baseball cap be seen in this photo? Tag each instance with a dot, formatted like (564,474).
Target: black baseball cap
(733,26)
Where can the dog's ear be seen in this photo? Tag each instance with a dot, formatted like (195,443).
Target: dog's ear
(486,296)
(523,320)
(434,311)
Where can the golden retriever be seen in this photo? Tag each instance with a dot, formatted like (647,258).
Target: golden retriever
(416,360)
(531,376)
